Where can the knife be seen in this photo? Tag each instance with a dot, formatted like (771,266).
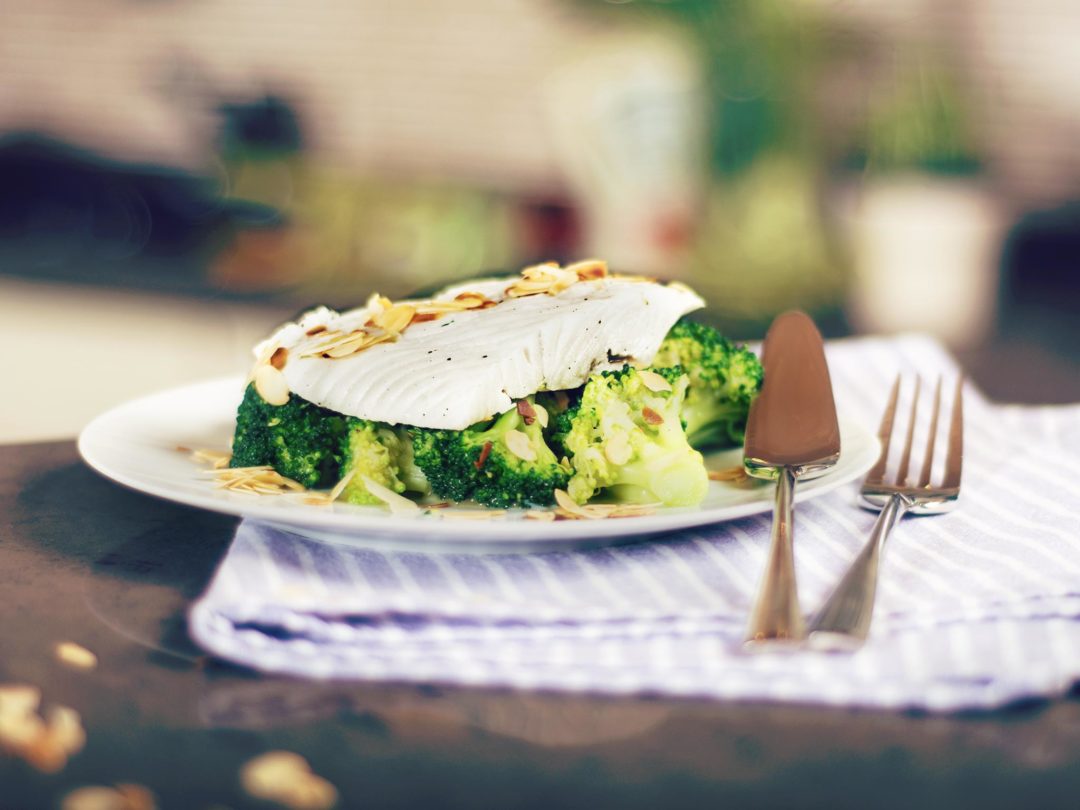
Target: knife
(791,434)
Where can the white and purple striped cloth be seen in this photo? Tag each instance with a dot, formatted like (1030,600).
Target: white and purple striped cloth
(976,609)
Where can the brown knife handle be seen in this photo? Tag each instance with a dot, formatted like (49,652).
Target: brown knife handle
(776,615)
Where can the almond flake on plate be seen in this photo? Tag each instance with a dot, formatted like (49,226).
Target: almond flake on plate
(473,514)
(217,459)
(398,504)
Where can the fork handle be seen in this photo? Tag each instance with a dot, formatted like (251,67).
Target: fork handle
(843,622)
(776,616)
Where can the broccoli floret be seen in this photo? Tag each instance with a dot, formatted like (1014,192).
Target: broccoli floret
(628,440)
(484,462)
(298,439)
(724,379)
(383,454)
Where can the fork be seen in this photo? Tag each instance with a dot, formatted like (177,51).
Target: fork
(843,622)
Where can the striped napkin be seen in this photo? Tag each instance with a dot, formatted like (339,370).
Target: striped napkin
(977,608)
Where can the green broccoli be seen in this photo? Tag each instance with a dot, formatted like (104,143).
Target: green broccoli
(298,439)
(382,453)
(503,463)
(628,440)
(724,379)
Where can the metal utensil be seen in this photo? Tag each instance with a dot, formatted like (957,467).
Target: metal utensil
(844,620)
(791,433)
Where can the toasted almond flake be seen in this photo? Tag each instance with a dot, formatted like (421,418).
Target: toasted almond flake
(473,514)
(182,449)
(633,510)
(315,330)
(317,499)
(541,415)
(589,269)
(94,797)
(518,444)
(217,459)
(377,304)
(19,730)
(137,797)
(271,385)
(396,318)
(398,504)
(75,655)
(421,317)
(526,410)
(65,727)
(18,699)
(260,480)
(339,487)
(651,417)
(728,474)
(279,358)
(617,448)
(653,381)
(565,502)
(543,515)
(286,778)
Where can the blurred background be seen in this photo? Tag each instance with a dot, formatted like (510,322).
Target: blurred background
(177,177)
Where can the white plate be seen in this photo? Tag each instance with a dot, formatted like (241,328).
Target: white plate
(136,444)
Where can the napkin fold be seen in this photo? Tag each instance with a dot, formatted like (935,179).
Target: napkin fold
(976,609)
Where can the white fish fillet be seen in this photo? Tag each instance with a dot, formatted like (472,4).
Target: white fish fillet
(469,366)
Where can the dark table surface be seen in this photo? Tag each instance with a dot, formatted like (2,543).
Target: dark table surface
(83,560)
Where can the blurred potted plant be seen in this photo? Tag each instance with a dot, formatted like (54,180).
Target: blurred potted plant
(923,226)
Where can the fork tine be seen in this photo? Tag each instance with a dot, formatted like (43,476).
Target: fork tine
(955,456)
(877,473)
(924,477)
(905,460)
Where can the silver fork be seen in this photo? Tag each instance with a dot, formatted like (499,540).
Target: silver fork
(844,621)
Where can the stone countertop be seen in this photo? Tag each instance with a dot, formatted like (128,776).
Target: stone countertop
(84,560)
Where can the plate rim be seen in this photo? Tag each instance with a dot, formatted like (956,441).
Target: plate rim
(353,527)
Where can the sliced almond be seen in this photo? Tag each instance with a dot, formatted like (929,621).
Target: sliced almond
(473,514)
(94,797)
(398,504)
(271,385)
(617,448)
(75,655)
(651,417)
(66,729)
(339,487)
(518,444)
(217,459)
(377,304)
(541,415)
(568,504)
(18,699)
(279,358)
(542,515)
(396,318)
(588,269)
(316,330)
(653,381)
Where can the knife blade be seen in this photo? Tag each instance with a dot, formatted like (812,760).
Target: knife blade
(791,433)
